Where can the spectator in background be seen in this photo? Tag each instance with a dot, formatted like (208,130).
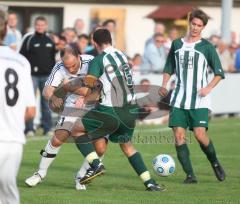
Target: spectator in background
(60,45)
(70,35)
(214,39)
(173,35)
(79,26)
(39,49)
(234,40)
(82,43)
(158,28)
(13,37)
(110,25)
(136,62)
(225,57)
(155,55)
(237,60)
(91,50)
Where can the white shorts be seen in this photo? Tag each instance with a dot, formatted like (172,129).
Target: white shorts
(72,116)
(10,160)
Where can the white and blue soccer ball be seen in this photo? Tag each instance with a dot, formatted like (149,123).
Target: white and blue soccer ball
(163,165)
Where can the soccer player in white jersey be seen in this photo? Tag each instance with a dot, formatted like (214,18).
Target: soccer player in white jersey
(189,59)
(17,105)
(71,66)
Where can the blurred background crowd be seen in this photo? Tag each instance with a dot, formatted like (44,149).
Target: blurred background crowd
(156,48)
(148,61)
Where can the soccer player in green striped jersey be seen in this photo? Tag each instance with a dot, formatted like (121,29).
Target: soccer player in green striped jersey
(189,59)
(117,105)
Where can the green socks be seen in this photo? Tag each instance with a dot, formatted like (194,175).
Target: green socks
(140,168)
(89,153)
(184,159)
(210,152)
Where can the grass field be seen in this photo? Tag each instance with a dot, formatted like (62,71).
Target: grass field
(120,183)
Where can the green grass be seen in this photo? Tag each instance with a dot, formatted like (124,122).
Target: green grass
(120,183)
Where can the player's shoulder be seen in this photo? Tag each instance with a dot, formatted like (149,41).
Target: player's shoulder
(178,41)
(12,55)
(206,42)
(59,66)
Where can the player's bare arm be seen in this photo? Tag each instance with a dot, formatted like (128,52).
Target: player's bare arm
(206,90)
(163,91)
(30,113)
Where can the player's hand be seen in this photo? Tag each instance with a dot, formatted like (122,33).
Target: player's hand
(163,91)
(204,91)
(56,102)
(65,81)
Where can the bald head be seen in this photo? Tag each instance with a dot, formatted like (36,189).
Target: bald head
(71,59)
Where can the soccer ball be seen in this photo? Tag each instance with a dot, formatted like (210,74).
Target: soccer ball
(163,165)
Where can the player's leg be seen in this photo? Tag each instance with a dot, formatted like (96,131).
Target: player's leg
(46,119)
(10,159)
(136,161)
(100,146)
(48,155)
(199,118)
(183,155)
(178,121)
(92,165)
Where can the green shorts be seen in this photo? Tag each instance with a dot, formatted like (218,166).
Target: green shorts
(118,123)
(188,118)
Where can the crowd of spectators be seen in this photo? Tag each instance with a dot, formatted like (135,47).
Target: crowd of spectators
(152,60)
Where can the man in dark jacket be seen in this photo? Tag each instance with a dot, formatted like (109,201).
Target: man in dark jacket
(39,49)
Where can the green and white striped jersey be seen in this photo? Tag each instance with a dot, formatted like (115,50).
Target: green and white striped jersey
(190,62)
(112,69)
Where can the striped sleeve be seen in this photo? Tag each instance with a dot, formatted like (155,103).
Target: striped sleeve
(214,62)
(56,77)
(170,65)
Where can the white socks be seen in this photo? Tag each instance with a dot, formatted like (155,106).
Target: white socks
(46,161)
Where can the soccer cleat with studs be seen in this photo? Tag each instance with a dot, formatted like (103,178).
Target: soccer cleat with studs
(155,187)
(34,180)
(190,180)
(92,173)
(218,170)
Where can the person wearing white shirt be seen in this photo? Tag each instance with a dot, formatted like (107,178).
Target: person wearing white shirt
(17,105)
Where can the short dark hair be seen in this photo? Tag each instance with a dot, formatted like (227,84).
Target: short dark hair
(102,36)
(158,35)
(198,13)
(40,18)
(84,36)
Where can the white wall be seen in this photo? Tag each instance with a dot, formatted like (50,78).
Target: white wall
(138,28)
(225,99)
(214,24)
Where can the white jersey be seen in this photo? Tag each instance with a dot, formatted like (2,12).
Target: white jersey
(16,93)
(59,73)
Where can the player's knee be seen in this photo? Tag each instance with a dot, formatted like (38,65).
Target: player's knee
(100,151)
(179,138)
(200,134)
(59,138)
(128,149)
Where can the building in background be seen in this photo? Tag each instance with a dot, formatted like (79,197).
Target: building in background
(133,27)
